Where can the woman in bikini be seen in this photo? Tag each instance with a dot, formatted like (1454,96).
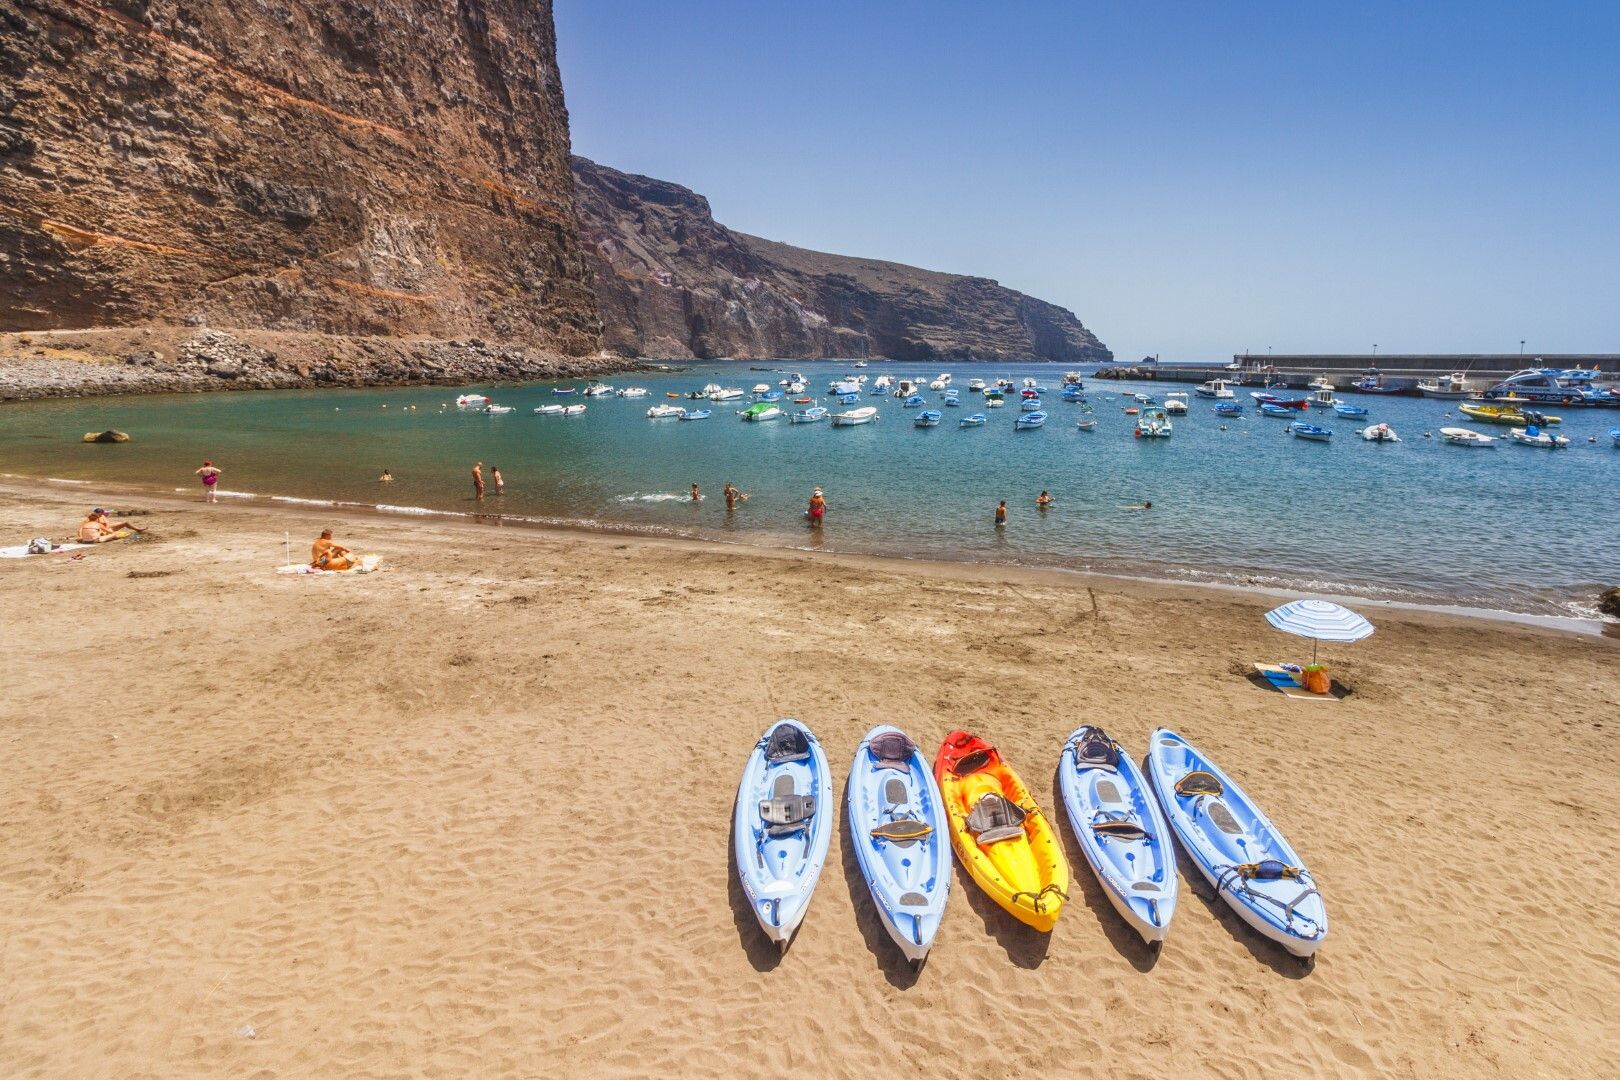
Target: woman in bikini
(818,507)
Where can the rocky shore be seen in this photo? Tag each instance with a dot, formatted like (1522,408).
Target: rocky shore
(161,360)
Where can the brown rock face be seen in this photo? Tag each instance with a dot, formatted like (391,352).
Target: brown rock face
(672,282)
(389,167)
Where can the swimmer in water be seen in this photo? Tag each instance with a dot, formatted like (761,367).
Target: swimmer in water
(386,478)
(1001,514)
(1138,506)
(1043,500)
(697,496)
(818,507)
(734,498)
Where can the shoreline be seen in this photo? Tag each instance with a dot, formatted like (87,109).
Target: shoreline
(1257,596)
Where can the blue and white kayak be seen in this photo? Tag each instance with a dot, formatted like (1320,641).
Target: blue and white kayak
(1237,849)
(1121,830)
(784,821)
(897,823)
(1029,420)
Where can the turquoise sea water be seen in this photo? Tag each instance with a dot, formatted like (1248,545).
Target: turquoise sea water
(1512,528)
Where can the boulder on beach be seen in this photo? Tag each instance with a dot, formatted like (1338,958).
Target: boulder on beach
(106,436)
(1609,602)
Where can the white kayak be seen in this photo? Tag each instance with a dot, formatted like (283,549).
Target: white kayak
(783,823)
(1235,847)
(897,824)
(1121,830)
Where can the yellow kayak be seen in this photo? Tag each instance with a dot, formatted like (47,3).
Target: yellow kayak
(1001,836)
(1504,414)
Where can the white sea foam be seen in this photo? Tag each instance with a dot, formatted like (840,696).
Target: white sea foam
(59,480)
(658,497)
(419,511)
(302,502)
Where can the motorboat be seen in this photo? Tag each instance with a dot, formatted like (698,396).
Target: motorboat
(913,401)
(940,383)
(804,399)
(1131,410)
(597,389)
(1215,388)
(849,399)
(761,388)
(1456,386)
(1175,403)
(1321,383)
(883,382)
(1614,436)
(730,393)
(497,410)
(665,412)
(561,391)
(1144,399)
(1030,404)
(860,363)
(1153,423)
(671,394)
(1028,421)
(975,386)
(1507,414)
(1324,399)
(1534,436)
(793,377)
(904,388)
(1351,412)
(770,395)
(993,401)
(847,388)
(797,386)
(1088,424)
(760,411)
(952,400)
(471,401)
(1461,436)
(1029,392)
(1380,433)
(632,392)
(976,420)
(1228,408)
(927,418)
(864,415)
(574,410)
(809,416)
(1072,378)
(549,410)
(695,414)
(1301,430)
(1265,398)
(1374,384)
(1552,386)
(1268,409)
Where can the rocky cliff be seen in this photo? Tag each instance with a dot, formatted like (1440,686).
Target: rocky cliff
(387,167)
(673,282)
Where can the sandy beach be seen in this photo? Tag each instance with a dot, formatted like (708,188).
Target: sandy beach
(469,816)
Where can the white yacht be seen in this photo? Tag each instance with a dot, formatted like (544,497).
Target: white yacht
(1454,387)
(941,383)
(975,386)
(1215,388)
(729,393)
(1175,402)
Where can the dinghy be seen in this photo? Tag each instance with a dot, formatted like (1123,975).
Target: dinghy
(564,391)
(1029,421)
(1301,430)
(1087,424)
(549,410)
(1120,829)
(632,392)
(783,823)
(573,410)
(497,410)
(665,412)
(1235,847)
(1461,436)
(471,401)
(597,389)
(915,401)
(1268,409)
(898,826)
(1351,412)
(1534,436)
(1004,841)
(1380,433)
(1227,408)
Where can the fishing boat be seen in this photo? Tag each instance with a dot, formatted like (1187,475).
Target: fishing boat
(561,391)
(730,393)
(471,401)
(1121,830)
(665,412)
(1030,404)
(864,415)
(1380,433)
(976,420)
(1351,412)
(549,410)
(632,392)
(940,383)
(1456,386)
(1228,408)
(695,414)
(927,418)
(1072,378)
(975,386)
(1309,432)
(1534,436)
(849,399)
(1153,423)
(1175,403)
(809,416)
(1320,384)
(952,397)
(1461,436)
(770,395)
(597,389)
(497,410)
(760,411)
(1511,415)
(914,401)
(1268,409)
(1215,388)
(1272,399)
(905,388)
(1323,399)
(1028,421)
(782,824)
(574,410)
(1375,384)
(1087,424)
(1552,386)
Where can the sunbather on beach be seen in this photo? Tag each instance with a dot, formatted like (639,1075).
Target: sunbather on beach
(97,529)
(328,554)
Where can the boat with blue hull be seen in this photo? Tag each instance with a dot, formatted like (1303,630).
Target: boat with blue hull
(1351,412)
(1268,409)
(809,416)
(1029,421)
(1309,432)
(1235,847)
(1228,408)
(1120,829)
(915,401)
(696,414)
(782,826)
(898,829)
(927,418)
(976,420)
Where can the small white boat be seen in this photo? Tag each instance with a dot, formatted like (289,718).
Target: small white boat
(1450,388)
(1215,388)
(1459,436)
(860,363)
(941,383)
(549,410)
(729,393)
(497,410)
(883,382)
(1086,425)
(597,389)
(1380,433)
(695,414)
(994,402)
(573,410)
(1175,402)
(797,386)
(1029,421)
(975,386)
(904,388)
(1030,384)
(761,411)
(632,392)
(665,412)
(471,401)
(1320,383)
(809,416)
(1324,399)
(1536,437)
(762,388)
(793,377)
(864,415)
(1072,378)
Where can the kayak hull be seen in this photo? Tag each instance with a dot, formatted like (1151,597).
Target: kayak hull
(779,873)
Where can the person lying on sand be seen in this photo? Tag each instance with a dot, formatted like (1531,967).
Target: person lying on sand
(328,554)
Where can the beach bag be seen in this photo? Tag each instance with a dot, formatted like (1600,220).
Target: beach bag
(1315,679)
(40,546)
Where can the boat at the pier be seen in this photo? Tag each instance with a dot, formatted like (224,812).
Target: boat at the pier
(1507,414)
(1215,388)
(1451,387)
(1552,386)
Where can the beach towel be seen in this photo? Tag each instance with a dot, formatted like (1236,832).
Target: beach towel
(1285,683)
(368,563)
(20,551)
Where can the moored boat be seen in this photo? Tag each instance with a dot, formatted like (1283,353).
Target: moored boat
(976,420)
(927,418)
(761,411)
(1351,412)
(1380,433)
(1310,432)
(632,392)
(597,389)
(1534,436)
(1281,411)
(1088,424)
(728,393)
(940,383)
(864,415)
(1461,436)
(1552,386)
(1511,415)
(1214,388)
(1324,399)
(1028,421)
(1175,402)
(913,401)
(1153,423)
(472,401)
(1455,386)
(563,391)
(497,410)
(574,410)
(549,410)
(809,416)
(1228,408)
(1266,398)
(665,412)
(1030,404)
(695,414)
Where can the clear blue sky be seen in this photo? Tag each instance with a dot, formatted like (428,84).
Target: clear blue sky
(1190,179)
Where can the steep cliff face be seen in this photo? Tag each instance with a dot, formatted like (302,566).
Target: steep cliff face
(673,282)
(391,167)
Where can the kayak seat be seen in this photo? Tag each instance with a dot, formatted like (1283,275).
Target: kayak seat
(895,792)
(1118,825)
(903,831)
(786,812)
(1222,817)
(892,750)
(1199,782)
(1097,749)
(1108,792)
(972,763)
(995,818)
(787,743)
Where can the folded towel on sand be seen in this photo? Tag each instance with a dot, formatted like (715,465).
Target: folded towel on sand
(1288,685)
(368,563)
(20,551)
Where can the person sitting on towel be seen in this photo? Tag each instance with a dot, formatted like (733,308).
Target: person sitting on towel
(328,554)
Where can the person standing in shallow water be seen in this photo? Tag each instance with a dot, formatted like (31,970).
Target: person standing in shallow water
(478,481)
(210,481)
(818,507)
(1001,514)
(495,475)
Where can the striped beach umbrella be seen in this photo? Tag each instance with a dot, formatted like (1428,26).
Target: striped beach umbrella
(1320,621)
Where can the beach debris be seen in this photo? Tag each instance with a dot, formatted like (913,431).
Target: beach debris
(108,436)
(247,1032)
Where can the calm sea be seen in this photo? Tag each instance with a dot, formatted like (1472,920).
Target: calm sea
(1235,501)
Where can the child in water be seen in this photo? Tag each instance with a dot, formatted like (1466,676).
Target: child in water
(1001,514)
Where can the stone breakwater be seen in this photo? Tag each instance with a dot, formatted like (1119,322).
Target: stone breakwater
(164,360)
